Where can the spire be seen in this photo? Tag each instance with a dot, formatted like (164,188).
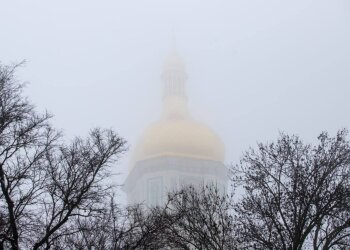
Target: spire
(174,38)
(174,75)
(174,86)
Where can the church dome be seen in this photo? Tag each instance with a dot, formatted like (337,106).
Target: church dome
(182,138)
(176,133)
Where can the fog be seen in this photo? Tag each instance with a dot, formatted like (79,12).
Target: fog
(255,68)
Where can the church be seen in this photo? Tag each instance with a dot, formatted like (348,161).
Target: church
(176,150)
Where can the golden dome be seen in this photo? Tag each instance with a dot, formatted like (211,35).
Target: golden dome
(180,137)
(176,133)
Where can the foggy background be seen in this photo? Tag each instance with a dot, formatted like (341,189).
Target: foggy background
(255,67)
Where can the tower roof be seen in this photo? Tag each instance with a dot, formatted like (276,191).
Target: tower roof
(183,138)
(177,133)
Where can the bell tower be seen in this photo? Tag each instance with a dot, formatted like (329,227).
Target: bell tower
(176,150)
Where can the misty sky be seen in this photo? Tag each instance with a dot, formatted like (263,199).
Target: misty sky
(255,67)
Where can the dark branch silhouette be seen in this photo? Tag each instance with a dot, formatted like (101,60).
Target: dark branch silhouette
(297,196)
(44,182)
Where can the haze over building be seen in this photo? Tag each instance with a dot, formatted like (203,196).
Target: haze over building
(176,150)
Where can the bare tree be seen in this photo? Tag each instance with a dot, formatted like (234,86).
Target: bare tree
(297,196)
(134,227)
(45,183)
(192,218)
(199,218)
(102,231)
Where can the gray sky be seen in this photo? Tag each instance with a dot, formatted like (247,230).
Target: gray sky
(255,67)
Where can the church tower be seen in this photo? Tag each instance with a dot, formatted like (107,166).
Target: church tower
(176,150)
